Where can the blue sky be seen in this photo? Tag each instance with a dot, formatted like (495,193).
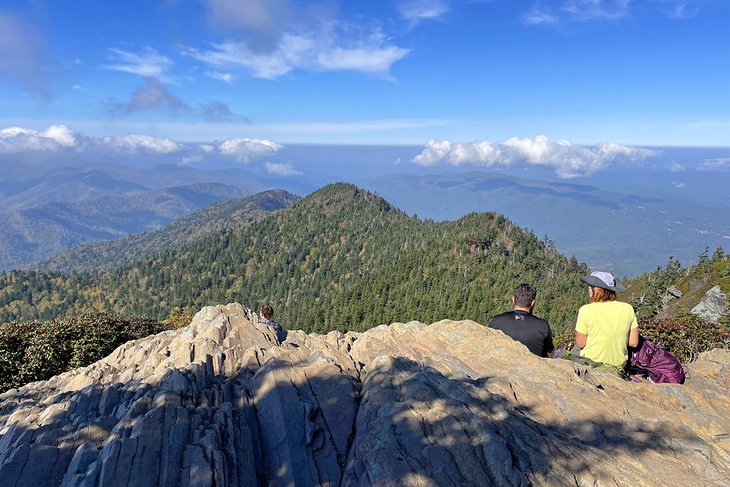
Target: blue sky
(536,80)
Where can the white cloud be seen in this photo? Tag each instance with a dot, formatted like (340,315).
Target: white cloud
(578,11)
(312,52)
(596,9)
(132,144)
(371,56)
(62,140)
(191,159)
(282,169)
(416,10)
(678,184)
(226,77)
(60,137)
(55,137)
(279,37)
(568,160)
(682,9)
(538,17)
(717,164)
(246,150)
(148,63)
(677,167)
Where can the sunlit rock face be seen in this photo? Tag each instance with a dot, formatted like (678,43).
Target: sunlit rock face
(223,402)
(712,306)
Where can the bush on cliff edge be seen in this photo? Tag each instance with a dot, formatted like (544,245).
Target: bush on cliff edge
(33,350)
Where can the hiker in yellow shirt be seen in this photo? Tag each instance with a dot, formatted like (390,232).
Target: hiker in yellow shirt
(605,326)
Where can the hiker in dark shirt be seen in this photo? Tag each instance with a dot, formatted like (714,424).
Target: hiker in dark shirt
(523,326)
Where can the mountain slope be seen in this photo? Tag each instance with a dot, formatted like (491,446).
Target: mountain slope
(36,233)
(627,234)
(195,226)
(340,258)
(701,289)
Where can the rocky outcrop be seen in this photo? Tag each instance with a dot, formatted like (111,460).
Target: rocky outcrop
(712,305)
(223,402)
(674,292)
(671,294)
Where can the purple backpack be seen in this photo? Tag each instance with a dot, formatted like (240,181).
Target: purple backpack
(660,365)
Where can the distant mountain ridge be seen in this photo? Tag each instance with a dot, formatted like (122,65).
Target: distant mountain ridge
(24,186)
(193,227)
(36,233)
(628,234)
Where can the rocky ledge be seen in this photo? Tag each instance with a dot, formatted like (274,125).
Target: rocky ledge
(223,402)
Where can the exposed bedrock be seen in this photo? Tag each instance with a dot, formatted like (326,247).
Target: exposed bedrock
(222,402)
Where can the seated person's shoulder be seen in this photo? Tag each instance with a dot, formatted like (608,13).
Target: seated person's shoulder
(500,318)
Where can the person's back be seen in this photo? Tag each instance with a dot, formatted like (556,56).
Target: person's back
(608,325)
(521,325)
(526,328)
(605,327)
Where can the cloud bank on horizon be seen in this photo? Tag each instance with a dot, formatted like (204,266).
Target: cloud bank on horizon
(60,138)
(565,158)
(568,160)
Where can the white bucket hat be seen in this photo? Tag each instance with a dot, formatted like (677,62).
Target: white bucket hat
(604,280)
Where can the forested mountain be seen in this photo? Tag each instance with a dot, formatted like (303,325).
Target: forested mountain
(341,258)
(626,233)
(195,226)
(36,233)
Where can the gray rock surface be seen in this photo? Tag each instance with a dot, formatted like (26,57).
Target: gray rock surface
(712,305)
(674,292)
(223,402)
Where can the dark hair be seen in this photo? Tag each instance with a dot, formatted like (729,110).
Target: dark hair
(267,311)
(525,295)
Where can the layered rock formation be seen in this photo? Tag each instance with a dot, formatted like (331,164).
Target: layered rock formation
(222,402)
(712,305)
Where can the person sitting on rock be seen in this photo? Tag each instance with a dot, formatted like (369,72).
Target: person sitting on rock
(605,327)
(521,325)
(266,317)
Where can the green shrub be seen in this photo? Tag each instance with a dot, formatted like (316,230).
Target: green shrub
(685,337)
(35,350)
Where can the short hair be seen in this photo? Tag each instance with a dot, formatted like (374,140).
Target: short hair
(524,295)
(267,311)
(601,295)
